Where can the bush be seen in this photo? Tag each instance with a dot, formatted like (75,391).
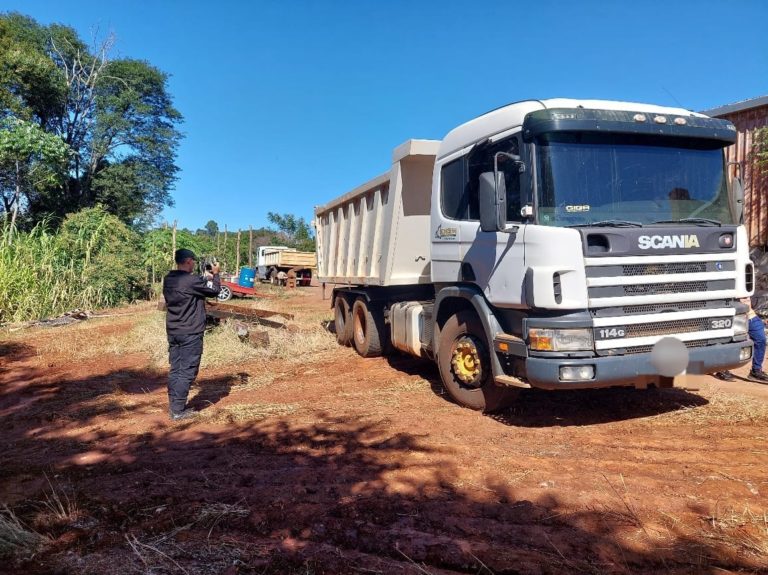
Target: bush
(93,261)
(104,254)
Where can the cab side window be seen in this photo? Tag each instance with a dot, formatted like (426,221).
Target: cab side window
(459,181)
(483,162)
(454,190)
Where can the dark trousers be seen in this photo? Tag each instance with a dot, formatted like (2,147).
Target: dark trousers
(757,335)
(184,352)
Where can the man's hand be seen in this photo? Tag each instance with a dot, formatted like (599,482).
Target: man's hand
(215,268)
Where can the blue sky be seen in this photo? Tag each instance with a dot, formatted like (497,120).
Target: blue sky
(288,104)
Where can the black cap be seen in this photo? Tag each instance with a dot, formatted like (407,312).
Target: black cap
(183,255)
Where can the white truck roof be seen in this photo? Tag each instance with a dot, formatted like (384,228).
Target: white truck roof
(509,117)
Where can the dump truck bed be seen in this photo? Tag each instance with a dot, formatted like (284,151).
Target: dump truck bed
(378,234)
(290,259)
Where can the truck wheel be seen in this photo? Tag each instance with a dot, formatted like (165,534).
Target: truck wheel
(465,365)
(225,294)
(342,320)
(368,329)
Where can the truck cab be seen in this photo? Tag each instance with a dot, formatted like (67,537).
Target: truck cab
(594,230)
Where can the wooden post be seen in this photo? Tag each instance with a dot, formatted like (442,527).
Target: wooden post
(224,250)
(250,246)
(218,243)
(237,266)
(173,243)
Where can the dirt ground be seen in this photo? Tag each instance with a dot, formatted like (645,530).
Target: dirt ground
(314,460)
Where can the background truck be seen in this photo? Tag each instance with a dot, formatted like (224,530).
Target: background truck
(555,244)
(274,263)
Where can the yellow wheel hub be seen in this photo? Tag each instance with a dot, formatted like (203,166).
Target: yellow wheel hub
(466,361)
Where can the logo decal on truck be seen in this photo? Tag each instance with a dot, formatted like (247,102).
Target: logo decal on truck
(442,233)
(684,241)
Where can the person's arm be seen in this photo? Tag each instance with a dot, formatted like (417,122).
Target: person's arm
(198,285)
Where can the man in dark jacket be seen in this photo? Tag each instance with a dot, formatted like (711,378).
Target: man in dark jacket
(185,294)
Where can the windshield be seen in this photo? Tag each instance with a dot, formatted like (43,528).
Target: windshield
(587,177)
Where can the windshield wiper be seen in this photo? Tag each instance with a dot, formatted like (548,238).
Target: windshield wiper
(609,224)
(698,221)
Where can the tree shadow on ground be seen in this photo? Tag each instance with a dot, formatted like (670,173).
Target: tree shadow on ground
(538,408)
(212,390)
(312,492)
(14,351)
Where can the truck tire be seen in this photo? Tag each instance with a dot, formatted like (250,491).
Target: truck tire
(465,365)
(342,319)
(369,334)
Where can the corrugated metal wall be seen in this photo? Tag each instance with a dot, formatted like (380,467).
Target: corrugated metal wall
(755,180)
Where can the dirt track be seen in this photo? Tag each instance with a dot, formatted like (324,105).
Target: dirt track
(345,465)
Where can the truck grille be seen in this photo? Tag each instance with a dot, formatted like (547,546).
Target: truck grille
(660,307)
(663,269)
(669,327)
(650,289)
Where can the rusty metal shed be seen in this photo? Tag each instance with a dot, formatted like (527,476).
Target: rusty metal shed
(749,116)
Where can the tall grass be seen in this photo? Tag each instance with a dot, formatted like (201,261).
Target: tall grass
(43,274)
(36,278)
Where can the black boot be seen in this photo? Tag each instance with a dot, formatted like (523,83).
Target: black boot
(188,413)
(758,375)
(724,375)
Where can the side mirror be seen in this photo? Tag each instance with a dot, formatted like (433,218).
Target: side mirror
(492,196)
(738,199)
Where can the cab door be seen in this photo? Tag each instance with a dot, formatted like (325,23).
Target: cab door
(496,260)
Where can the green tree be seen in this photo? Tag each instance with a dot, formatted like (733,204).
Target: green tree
(30,83)
(116,115)
(31,162)
(294,231)
(212,228)
(157,247)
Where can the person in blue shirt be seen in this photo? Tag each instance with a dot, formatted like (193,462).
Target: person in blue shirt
(757,335)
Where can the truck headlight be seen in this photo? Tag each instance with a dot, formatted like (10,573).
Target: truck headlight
(541,339)
(740,324)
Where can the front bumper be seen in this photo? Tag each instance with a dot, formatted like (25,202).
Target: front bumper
(630,370)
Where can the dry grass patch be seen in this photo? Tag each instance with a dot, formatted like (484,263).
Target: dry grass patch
(742,530)
(408,386)
(244,412)
(80,340)
(723,407)
(222,345)
(60,502)
(212,514)
(15,537)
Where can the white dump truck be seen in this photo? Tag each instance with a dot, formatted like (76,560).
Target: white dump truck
(554,244)
(275,262)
